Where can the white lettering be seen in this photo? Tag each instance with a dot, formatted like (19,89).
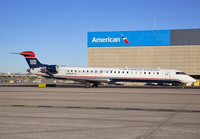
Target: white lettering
(33,62)
(104,40)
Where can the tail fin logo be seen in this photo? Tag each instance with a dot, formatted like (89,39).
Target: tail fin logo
(124,38)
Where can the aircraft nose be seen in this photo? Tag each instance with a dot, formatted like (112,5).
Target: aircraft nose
(190,80)
(193,80)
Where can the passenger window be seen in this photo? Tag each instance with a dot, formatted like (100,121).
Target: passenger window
(157,73)
(118,71)
(144,72)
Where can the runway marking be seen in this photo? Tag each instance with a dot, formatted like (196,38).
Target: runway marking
(103,108)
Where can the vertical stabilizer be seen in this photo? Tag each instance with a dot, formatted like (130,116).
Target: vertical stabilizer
(31,59)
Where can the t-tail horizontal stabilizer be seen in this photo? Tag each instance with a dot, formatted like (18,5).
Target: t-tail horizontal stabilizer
(24,54)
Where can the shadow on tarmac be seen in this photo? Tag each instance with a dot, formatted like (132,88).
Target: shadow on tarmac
(80,85)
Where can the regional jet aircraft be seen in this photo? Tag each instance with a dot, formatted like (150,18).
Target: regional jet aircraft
(93,76)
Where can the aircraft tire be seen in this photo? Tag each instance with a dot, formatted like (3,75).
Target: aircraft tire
(87,85)
(94,86)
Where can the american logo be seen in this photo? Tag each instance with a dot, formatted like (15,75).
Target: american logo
(124,38)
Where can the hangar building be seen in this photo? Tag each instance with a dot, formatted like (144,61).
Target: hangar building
(174,49)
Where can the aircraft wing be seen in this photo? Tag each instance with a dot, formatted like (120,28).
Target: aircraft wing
(92,80)
(84,79)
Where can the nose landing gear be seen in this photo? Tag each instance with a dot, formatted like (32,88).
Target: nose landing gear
(183,86)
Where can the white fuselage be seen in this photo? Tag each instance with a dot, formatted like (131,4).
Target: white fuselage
(100,74)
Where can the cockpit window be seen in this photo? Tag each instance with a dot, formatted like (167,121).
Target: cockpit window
(180,73)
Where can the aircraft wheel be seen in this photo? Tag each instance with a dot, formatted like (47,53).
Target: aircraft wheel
(94,85)
(183,86)
(87,85)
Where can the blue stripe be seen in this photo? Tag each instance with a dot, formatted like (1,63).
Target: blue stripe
(122,79)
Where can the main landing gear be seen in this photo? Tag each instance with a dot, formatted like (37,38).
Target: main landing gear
(89,85)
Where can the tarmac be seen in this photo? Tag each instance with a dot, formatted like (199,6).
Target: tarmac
(74,112)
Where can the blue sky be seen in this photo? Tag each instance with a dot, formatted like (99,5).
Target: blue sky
(56,30)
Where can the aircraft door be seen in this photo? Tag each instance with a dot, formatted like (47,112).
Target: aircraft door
(167,75)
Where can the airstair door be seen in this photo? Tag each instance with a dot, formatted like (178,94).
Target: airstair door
(167,75)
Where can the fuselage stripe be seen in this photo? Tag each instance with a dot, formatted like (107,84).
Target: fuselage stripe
(107,77)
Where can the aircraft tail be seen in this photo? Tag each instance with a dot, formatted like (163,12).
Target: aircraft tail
(31,59)
(33,62)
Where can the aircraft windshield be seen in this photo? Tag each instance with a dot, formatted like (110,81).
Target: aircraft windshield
(180,73)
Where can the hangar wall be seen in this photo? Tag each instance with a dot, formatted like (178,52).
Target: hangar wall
(177,55)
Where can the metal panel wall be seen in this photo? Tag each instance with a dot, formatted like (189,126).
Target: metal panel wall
(185,37)
(185,58)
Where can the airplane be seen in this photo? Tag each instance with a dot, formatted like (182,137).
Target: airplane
(94,76)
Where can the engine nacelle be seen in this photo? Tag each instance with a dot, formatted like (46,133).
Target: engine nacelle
(54,69)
